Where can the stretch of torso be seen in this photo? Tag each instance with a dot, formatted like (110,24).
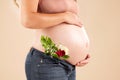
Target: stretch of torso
(71,36)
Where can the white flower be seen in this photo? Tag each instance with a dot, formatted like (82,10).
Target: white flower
(63,48)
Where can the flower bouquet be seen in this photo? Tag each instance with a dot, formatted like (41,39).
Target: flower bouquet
(52,49)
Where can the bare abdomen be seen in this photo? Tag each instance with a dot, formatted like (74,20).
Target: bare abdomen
(71,36)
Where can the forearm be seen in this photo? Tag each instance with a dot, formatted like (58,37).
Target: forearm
(42,20)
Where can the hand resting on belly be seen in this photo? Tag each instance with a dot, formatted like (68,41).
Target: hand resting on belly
(71,36)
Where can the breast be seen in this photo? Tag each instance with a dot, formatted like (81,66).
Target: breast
(56,6)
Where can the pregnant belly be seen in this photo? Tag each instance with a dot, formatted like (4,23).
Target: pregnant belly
(71,36)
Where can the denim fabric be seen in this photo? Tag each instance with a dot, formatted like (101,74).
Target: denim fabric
(39,66)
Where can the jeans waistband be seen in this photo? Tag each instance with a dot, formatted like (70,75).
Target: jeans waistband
(43,55)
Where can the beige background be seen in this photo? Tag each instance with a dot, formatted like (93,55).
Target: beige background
(102,22)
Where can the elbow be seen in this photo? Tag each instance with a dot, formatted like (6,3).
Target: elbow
(31,21)
(26,22)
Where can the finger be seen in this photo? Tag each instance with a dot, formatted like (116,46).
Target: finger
(85,61)
(79,24)
(80,65)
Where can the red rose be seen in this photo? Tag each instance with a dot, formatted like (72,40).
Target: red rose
(60,53)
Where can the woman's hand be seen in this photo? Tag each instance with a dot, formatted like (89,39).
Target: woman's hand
(83,62)
(72,18)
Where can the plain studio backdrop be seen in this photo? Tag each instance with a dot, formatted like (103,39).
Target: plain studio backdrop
(101,19)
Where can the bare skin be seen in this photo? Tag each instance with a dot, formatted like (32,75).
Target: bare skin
(61,24)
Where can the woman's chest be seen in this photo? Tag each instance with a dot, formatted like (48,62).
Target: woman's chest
(54,6)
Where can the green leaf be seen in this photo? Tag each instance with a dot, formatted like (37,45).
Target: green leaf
(49,41)
(65,56)
(50,47)
(55,55)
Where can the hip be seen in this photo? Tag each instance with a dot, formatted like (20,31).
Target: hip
(41,66)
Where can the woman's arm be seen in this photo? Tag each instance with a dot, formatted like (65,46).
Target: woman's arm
(30,18)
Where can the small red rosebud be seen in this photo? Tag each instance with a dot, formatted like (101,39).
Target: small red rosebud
(60,53)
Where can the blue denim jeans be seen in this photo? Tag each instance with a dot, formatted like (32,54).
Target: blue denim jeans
(39,66)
